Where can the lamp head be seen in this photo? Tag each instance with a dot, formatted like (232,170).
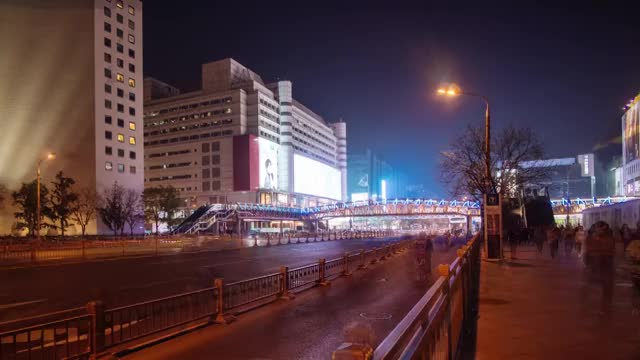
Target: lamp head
(51,156)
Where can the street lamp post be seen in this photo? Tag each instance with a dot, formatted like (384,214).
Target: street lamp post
(50,156)
(455,91)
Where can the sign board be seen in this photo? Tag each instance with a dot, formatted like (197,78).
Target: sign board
(493,226)
(586,162)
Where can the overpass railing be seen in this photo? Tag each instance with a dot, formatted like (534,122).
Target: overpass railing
(433,328)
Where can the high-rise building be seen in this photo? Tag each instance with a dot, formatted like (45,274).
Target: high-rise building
(631,148)
(371,177)
(71,84)
(239,139)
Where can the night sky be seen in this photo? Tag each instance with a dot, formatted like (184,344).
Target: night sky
(566,72)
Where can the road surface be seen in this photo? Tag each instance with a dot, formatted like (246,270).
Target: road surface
(310,326)
(34,290)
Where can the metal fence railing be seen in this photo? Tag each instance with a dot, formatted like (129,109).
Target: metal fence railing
(98,328)
(433,328)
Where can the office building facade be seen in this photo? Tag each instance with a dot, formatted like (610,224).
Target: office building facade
(239,139)
(72,84)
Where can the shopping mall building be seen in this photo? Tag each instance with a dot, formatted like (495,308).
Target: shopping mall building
(241,140)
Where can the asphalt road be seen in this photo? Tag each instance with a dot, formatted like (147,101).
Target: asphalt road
(312,325)
(34,290)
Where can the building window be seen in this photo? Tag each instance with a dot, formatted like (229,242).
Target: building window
(215,172)
(120,153)
(107,58)
(215,146)
(205,147)
(107,73)
(108,150)
(206,173)
(120,93)
(132,169)
(132,140)
(205,160)
(205,186)
(132,126)
(120,168)
(120,48)
(132,96)
(132,155)
(107,12)
(215,159)
(107,88)
(132,53)
(132,25)
(107,104)
(120,108)
(120,77)
(132,68)
(107,135)
(132,82)
(119,18)
(107,42)
(107,119)
(132,111)
(132,11)
(108,166)
(120,138)
(120,123)
(119,4)
(215,185)
(120,63)
(119,33)
(107,27)
(132,39)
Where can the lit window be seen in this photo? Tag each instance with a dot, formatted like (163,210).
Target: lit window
(132,82)
(119,4)
(132,140)
(108,166)
(132,125)
(120,77)
(132,169)
(120,138)
(120,168)
(132,39)
(132,11)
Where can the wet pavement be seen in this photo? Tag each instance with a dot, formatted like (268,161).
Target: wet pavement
(29,291)
(310,326)
(536,307)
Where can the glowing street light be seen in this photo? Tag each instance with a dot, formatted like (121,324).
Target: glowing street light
(50,156)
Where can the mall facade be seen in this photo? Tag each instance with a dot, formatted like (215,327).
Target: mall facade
(241,140)
(631,148)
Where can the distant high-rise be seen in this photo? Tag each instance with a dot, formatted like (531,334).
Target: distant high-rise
(631,148)
(71,83)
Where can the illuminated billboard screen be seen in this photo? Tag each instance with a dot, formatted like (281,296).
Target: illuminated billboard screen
(312,177)
(631,134)
(268,156)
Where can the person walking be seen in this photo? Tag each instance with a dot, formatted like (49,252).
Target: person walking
(581,237)
(554,238)
(599,254)
(513,243)
(569,240)
(428,251)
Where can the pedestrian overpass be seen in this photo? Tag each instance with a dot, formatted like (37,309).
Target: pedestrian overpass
(233,215)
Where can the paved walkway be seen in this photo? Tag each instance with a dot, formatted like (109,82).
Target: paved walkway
(536,307)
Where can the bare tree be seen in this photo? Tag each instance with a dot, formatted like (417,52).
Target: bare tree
(85,209)
(111,208)
(133,208)
(514,151)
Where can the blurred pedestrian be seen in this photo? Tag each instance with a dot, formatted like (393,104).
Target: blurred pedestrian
(626,235)
(539,238)
(599,254)
(554,238)
(581,237)
(569,240)
(513,239)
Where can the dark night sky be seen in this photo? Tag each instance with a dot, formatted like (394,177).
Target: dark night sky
(565,72)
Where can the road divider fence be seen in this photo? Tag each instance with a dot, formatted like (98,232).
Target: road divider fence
(94,330)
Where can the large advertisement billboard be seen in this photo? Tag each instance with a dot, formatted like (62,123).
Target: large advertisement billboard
(312,177)
(631,134)
(268,155)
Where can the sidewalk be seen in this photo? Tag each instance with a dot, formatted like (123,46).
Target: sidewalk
(536,307)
